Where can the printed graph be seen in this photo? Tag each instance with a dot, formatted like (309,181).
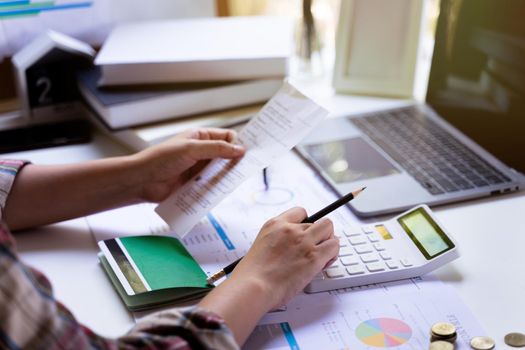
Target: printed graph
(383,332)
(274,336)
(27,8)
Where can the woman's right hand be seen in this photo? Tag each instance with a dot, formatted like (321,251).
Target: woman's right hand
(285,256)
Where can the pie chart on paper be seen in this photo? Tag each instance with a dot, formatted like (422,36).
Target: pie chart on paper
(383,332)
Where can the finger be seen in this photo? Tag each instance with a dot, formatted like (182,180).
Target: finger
(328,250)
(321,231)
(209,149)
(294,215)
(330,262)
(214,134)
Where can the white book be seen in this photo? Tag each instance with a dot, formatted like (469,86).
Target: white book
(120,108)
(202,49)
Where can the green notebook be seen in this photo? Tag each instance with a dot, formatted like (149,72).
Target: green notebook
(150,271)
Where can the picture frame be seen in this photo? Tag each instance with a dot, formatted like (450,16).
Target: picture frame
(377,47)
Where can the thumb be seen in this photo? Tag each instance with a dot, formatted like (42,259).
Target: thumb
(209,149)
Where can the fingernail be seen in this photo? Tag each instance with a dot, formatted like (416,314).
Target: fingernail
(238,149)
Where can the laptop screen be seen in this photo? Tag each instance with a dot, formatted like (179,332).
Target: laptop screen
(477,79)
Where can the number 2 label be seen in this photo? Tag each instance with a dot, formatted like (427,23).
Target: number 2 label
(44,96)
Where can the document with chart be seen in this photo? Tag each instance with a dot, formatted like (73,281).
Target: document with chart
(397,315)
(394,315)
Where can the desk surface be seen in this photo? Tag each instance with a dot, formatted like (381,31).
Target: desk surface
(489,276)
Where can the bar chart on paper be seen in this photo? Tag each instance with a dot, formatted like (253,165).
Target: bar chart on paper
(90,21)
(21,21)
(27,8)
(275,336)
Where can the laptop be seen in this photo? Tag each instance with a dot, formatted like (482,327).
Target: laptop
(466,141)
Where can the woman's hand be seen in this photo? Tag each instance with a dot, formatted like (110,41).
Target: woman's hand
(89,187)
(285,256)
(165,167)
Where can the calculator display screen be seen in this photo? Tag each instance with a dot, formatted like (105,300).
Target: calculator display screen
(425,233)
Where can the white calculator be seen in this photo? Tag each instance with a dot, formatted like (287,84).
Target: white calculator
(406,246)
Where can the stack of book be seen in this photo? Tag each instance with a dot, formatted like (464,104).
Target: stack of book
(174,72)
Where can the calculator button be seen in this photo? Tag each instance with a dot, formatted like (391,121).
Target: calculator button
(362,249)
(345,251)
(319,276)
(379,247)
(343,242)
(370,257)
(392,265)
(368,229)
(355,270)
(385,255)
(357,240)
(349,260)
(335,273)
(373,237)
(334,265)
(352,231)
(406,262)
(375,266)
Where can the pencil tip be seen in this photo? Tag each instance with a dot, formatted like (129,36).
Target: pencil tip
(356,192)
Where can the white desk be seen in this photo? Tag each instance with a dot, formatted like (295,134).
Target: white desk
(490,275)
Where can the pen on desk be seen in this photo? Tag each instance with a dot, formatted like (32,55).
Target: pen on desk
(265,179)
(311,219)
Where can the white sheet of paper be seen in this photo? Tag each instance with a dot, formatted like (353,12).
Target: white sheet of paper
(280,125)
(328,320)
(389,315)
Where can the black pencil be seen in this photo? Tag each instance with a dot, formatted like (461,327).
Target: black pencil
(311,219)
(265,179)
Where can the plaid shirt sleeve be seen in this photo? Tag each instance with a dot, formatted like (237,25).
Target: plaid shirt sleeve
(31,318)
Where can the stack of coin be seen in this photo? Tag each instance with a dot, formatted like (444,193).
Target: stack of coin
(516,340)
(482,343)
(443,331)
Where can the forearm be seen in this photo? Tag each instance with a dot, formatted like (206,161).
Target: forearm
(44,194)
(240,303)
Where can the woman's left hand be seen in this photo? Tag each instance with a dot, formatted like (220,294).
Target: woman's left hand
(165,167)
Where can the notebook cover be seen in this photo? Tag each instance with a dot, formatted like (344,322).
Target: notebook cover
(144,301)
(152,270)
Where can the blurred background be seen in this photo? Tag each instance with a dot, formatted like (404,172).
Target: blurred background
(91,21)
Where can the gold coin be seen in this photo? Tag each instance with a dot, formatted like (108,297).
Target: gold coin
(441,345)
(482,343)
(516,340)
(451,339)
(443,329)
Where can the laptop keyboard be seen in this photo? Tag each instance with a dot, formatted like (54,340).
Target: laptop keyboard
(439,162)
